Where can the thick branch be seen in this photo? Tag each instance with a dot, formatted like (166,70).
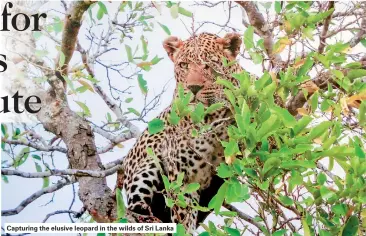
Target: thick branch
(72,26)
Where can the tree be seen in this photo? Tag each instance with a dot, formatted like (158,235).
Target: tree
(296,164)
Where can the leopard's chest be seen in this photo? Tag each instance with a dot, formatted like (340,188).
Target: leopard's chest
(196,157)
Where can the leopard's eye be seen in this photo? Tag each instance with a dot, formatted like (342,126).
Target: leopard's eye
(183,65)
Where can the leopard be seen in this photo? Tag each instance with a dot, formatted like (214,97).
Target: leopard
(198,62)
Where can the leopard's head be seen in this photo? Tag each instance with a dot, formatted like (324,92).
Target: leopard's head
(199,62)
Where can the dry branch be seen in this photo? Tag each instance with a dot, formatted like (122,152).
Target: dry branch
(56,172)
(261,27)
(60,184)
(324,33)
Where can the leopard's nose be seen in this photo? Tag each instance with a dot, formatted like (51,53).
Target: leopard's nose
(195,88)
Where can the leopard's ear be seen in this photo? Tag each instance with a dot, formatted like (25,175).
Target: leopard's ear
(172,46)
(231,44)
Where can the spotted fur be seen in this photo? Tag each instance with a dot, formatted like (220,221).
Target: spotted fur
(197,64)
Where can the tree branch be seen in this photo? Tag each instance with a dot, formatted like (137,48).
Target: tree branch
(60,184)
(72,26)
(247,218)
(256,19)
(35,145)
(56,172)
(361,34)
(324,33)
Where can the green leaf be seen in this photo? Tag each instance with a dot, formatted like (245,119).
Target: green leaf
(5,179)
(84,107)
(36,157)
(224,171)
(218,199)
(225,83)
(4,129)
(285,115)
(156,60)
(270,125)
(306,227)
(129,53)
(232,231)
(228,213)
(174,11)
(21,157)
(37,35)
(180,178)
(316,17)
(144,46)
(279,232)
(142,84)
(102,10)
(57,25)
(100,14)
(128,100)
(193,187)
(166,182)
(356,73)
(256,57)
(155,126)
(287,201)
(248,38)
(184,12)
(277,7)
(165,28)
(297,164)
(173,117)
(82,89)
(308,32)
(301,124)
(314,101)
(181,231)
(319,129)
(61,59)
(38,167)
(121,209)
(46,182)
(363,42)
(231,149)
(362,113)
(214,107)
(321,178)
(353,65)
(169,202)
(306,67)
(272,162)
(326,193)
(351,227)
(198,113)
(134,111)
(340,209)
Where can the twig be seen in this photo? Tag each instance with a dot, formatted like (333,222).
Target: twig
(60,184)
